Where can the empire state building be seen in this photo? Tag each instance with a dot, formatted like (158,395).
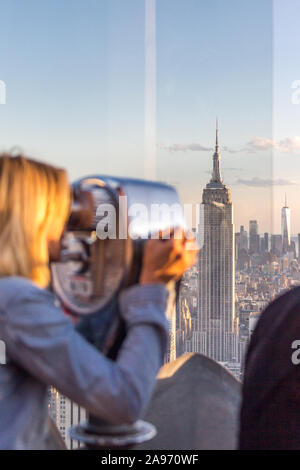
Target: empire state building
(215,335)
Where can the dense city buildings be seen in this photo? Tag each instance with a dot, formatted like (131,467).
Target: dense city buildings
(65,413)
(259,278)
(187,313)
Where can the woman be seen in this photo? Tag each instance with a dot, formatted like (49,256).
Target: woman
(42,345)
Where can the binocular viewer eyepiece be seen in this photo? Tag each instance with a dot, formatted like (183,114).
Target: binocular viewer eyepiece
(102,249)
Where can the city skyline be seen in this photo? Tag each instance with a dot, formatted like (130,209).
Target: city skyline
(237,275)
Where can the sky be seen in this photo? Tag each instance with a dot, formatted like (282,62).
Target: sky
(75,81)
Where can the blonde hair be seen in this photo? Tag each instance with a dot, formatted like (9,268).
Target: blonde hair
(34,205)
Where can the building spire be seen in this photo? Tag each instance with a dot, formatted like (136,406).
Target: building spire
(216,175)
(285,201)
(217,136)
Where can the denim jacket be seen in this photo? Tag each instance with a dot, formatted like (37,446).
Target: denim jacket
(43,348)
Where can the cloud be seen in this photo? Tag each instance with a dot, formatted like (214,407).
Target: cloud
(264,182)
(256,144)
(230,149)
(259,144)
(289,144)
(193,147)
(228,168)
(184,147)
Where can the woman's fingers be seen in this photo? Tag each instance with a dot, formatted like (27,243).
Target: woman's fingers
(168,256)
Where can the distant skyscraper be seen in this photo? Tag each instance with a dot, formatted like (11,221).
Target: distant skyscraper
(286,227)
(276,245)
(237,243)
(292,249)
(266,238)
(215,335)
(262,245)
(243,239)
(253,237)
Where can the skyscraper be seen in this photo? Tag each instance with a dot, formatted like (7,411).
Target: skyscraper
(215,333)
(266,238)
(276,245)
(243,239)
(286,227)
(253,237)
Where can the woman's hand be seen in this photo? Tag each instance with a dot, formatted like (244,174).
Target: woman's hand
(168,259)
